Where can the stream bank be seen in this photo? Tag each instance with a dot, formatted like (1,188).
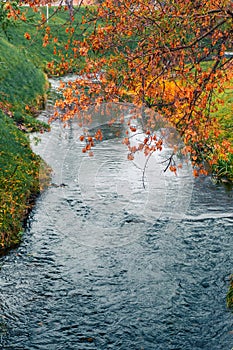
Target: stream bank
(23,90)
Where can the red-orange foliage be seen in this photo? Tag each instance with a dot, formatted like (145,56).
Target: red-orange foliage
(168,56)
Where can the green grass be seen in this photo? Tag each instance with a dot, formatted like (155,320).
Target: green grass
(22,92)
(223,171)
(225,113)
(230,295)
(15,70)
(33,49)
(18,180)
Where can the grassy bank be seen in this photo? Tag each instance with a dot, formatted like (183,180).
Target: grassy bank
(19,182)
(22,88)
(23,85)
(22,93)
(46,46)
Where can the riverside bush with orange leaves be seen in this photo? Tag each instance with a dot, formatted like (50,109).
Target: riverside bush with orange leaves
(166,56)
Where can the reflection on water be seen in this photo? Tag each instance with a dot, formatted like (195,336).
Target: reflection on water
(107,264)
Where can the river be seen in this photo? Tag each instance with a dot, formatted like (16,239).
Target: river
(108,264)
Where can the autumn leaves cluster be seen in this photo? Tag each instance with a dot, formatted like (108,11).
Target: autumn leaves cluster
(166,56)
(169,57)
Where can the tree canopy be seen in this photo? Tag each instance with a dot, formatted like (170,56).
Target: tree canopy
(169,57)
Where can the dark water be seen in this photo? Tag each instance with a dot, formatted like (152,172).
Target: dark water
(107,264)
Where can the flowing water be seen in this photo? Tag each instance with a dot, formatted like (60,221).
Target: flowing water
(109,261)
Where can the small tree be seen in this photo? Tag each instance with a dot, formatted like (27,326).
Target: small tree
(166,56)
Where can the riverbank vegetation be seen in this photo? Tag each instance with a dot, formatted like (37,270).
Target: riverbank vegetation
(22,88)
(152,57)
(24,65)
(169,58)
(22,94)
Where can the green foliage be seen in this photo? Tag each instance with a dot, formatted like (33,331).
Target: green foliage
(22,90)
(230,295)
(5,22)
(224,113)
(223,171)
(19,173)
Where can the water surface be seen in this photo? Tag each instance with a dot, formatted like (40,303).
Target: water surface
(107,264)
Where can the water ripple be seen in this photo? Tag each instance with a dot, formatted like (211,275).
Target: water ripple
(105,270)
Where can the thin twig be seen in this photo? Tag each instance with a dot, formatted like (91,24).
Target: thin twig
(144,169)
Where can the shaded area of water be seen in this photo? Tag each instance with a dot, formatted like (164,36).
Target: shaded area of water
(106,264)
